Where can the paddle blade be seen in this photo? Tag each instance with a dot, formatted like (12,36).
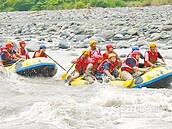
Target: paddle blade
(128,83)
(63,77)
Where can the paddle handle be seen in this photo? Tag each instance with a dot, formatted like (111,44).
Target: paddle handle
(55,62)
(15,63)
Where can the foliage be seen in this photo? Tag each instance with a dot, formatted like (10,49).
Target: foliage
(24,5)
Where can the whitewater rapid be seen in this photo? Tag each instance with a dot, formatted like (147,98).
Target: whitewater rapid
(45,103)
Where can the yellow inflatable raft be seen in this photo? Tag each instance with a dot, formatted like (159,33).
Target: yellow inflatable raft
(35,67)
(159,77)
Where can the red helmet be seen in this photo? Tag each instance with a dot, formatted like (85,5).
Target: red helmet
(8,45)
(108,46)
(22,42)
(136,52)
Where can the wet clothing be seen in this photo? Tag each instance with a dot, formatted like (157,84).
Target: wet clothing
(152,57)
(41,55)
(128,65)
(7,57)
(95,52)
(107,65)
(23,52)
(81,65)
(127,68)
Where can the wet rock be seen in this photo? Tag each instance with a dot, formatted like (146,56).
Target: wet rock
(64,45)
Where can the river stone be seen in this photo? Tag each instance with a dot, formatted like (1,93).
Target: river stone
(64,45)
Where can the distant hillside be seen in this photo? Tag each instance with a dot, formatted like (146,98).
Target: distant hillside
(25,5)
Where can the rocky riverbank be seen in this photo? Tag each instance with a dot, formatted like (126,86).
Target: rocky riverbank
(69,29)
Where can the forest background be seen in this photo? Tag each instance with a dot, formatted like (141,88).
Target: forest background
(36,5)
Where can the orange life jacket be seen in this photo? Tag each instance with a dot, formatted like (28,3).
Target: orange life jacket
(153,57)
(82,64)
(112,66)
(128,67)
(41,55)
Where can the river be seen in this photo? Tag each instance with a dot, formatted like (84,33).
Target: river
(45,103)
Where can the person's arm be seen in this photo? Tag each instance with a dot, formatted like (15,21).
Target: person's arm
(140,69)
(17,51)
(163,60)
(74,61)
(2,57)
(106,67)
(38,54)
(161,57)
(109,74)
(15,56)
(1,63)
(132,63)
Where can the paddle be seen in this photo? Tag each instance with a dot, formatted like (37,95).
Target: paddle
(128,83)
(65,75)
(55,62)
(16,63)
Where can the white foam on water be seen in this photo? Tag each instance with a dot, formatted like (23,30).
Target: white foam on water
(16,83)
(65,113)
(126,99)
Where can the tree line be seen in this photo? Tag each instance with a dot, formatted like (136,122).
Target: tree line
(36,5)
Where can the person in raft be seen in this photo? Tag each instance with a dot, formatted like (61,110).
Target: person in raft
(22,51)
(130,67)
(7,55)
(109,50)
(136,48)
(152,55)
(93,49)
(91,70)
(80,67)
(40,52)
(16,56)
(108,68)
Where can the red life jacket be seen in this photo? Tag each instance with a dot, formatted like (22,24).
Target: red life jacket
(24,52)
(41,55)
(105,55)
(95,52)
(127,67)
(82,64)
(153,57)
(8,56)
(112,66)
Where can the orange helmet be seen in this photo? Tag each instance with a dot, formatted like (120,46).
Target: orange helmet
(108,46)
(21,42)
(8,45)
